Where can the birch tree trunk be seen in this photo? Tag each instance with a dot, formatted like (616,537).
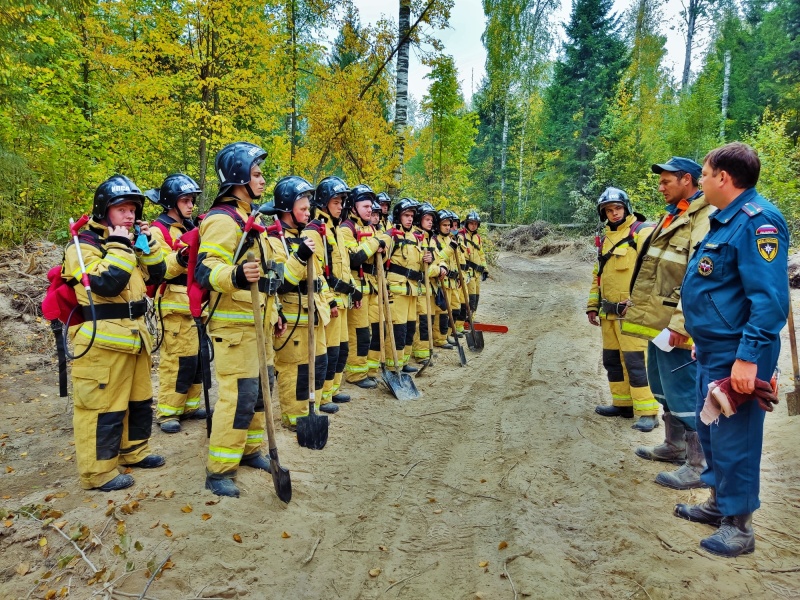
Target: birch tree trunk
(401,104)
(725,89)
(503,152)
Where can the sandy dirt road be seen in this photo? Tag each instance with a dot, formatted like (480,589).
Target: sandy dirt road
(500,483)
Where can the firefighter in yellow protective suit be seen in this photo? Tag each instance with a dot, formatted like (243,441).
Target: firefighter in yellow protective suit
(362,243)
(404,264)
(113,394)
(475,258)
(609,298)
(444,273)
(239,419)
(384,203)
(329,199)
(424,226)
(179,373)
(294,243)
(460,305)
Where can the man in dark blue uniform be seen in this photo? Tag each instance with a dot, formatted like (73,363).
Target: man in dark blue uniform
(735,298)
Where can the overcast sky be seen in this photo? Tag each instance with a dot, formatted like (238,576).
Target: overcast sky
(463,39)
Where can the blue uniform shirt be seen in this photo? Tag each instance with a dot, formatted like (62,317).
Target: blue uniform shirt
(735,293)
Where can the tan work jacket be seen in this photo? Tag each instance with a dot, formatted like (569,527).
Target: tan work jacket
(656,288)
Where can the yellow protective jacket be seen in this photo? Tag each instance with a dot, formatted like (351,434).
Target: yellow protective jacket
(293,293)
(444,256)
(216,269)
(474,255)
(339,278)
(619,251)
(362,241)
(174,298)
(404,263)
(659,271)
(118,275)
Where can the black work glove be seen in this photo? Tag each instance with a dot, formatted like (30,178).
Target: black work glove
(304,252)
(183,257)
(381,243)
(484,275)
(453,243)
(357,295)
(240,279)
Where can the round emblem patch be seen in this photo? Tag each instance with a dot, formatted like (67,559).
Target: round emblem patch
(705,266)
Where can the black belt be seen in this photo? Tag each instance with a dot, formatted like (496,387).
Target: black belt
(452,274)
(613,308)
(303,286)
(411,274)
(339,286)
(475,266)
(368,268)
(179,280)
(120,310)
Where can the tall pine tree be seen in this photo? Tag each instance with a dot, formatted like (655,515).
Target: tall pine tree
(577,100)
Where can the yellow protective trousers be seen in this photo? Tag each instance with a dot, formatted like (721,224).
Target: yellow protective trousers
(624,361)
(179,373)
(291,366)
(474,291)
(358,335)
(404,323)
(239,419)
(113,416)
(338,347)
(421,350)
(374,354)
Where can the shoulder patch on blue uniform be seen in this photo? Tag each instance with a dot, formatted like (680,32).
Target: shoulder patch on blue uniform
(767,248)
(767,230)
(751,209)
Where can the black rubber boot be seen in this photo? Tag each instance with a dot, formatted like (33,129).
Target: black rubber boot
(120,482)
(410,369)
(615,411)
(734,537)
(170,426)
(256,461)
(366,384)
(329,407)
(200,413)
(222,486)
(706,513)
(673,449)
(341,398)
(149,462)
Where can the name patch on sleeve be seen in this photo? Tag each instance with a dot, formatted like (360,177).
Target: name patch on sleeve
(767,230)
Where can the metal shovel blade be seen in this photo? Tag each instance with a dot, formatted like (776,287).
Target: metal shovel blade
(462,358)
(401,385)
(478,340)
(793,402)
(312,431)
(472,340)
(281,478)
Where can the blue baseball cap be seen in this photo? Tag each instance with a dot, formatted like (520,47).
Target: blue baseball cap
(678,163)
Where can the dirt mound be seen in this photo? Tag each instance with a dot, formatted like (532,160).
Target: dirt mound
(794,270)
(23,282)
(522,238)
(542,239)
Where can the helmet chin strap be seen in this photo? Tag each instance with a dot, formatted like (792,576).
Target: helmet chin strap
(250,192)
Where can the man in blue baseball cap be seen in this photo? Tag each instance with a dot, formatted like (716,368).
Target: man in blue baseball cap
(655,314)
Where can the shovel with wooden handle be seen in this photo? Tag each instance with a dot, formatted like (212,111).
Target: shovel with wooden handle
(474,336)
(400,384)
(280,475)
(462,358)
(428,362)
(793,398)
(312,430)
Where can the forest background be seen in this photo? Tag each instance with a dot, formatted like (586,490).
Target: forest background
(150,87)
